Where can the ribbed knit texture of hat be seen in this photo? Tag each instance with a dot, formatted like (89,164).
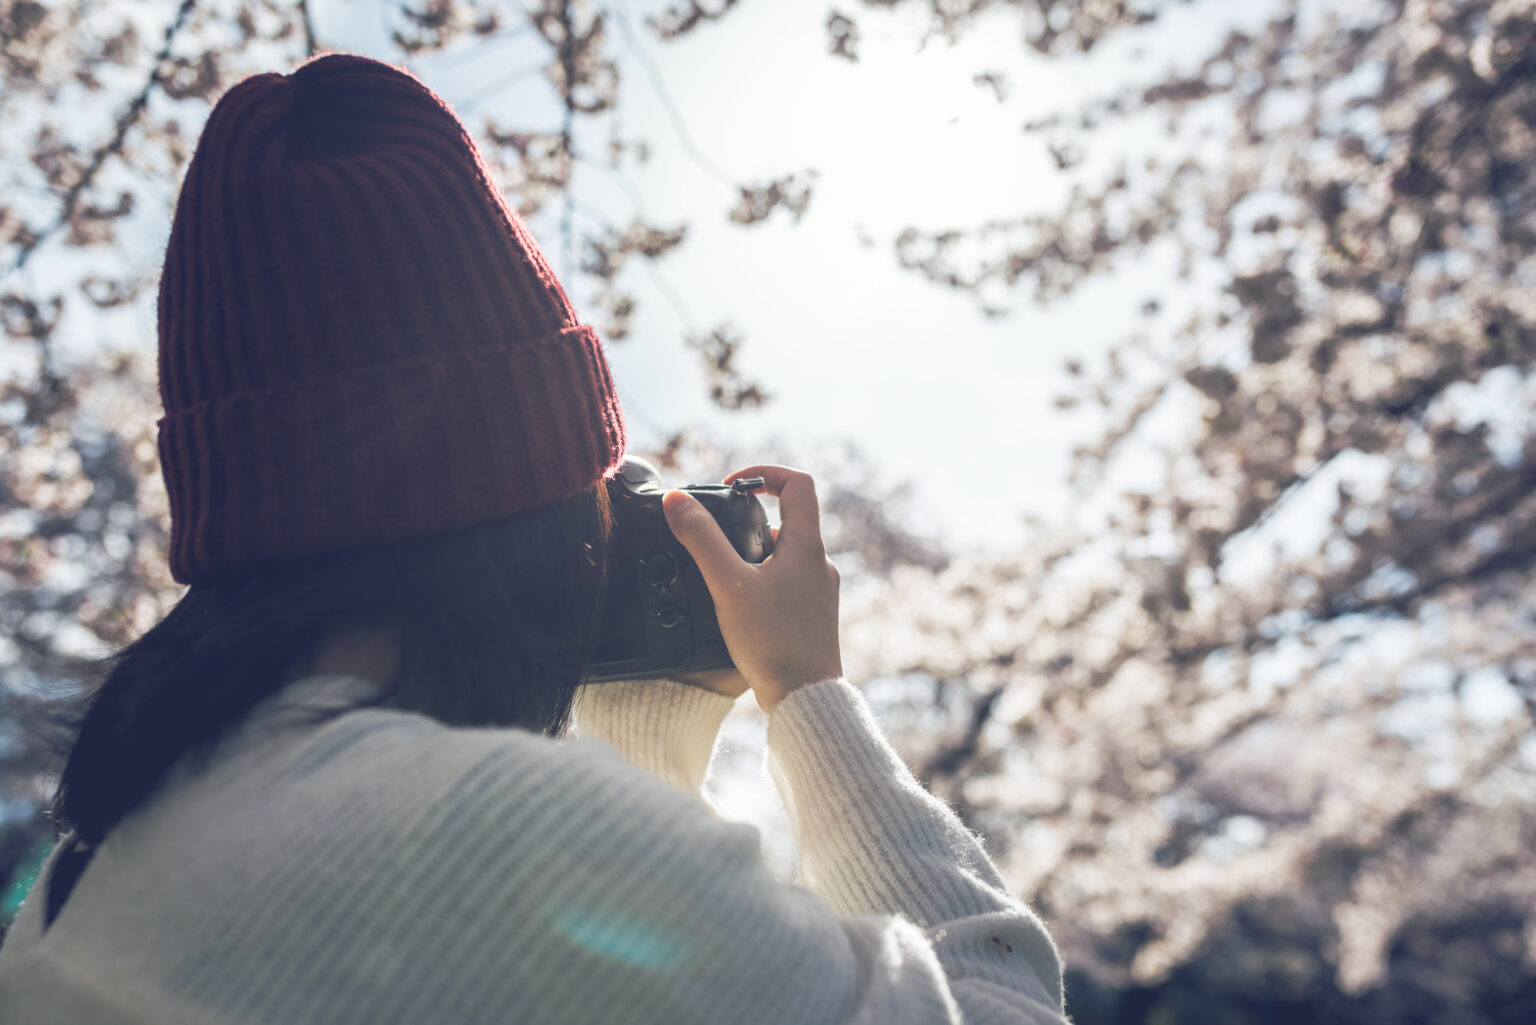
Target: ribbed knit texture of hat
(360,342)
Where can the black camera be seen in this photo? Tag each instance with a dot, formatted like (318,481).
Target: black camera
(658,618)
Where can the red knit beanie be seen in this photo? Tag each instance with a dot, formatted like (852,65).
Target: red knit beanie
(359,341)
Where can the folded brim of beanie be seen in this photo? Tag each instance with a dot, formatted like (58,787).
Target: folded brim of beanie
(377,455)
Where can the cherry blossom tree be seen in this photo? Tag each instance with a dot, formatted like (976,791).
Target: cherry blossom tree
(1254,730)
(1257,732)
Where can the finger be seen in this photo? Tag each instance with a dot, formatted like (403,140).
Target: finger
(692,525)
(799,511)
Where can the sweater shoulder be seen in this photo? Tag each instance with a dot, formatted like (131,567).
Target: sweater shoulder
(469,867)
(374,809)
(407,760)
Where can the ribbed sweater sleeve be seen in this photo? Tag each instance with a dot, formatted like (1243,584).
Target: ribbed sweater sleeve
(902,918)
(873,842)
(662,726)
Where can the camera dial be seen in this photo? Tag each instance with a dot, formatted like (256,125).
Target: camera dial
(661,569)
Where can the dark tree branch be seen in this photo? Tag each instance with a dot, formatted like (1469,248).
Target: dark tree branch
(112,147)
(953,757)
(310,45)
(568,128)
(679,20)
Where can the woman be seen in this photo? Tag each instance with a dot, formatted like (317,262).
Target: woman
(327,787)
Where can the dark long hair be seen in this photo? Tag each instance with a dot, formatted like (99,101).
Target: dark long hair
(492,622)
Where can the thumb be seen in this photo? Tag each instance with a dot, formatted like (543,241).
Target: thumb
(692,525)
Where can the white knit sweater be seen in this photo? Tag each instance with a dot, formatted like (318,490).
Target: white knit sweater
(379,867)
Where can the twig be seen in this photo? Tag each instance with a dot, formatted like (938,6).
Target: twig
(668,104)
(670,293)
(567,130)
(479,46)
(665,287)
(624,182)
(309,28)
(475,98)
(125,121)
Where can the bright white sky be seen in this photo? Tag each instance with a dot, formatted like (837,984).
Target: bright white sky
(850,345)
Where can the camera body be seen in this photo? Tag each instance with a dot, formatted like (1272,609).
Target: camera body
(658,618)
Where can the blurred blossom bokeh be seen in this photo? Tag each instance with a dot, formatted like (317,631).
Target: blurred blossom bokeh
(1165,366)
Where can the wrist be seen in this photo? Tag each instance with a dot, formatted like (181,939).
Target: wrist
(725,682)
(660,725)
(769,695)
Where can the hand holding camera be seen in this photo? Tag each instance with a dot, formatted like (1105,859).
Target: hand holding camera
(701,589)
(778,616)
